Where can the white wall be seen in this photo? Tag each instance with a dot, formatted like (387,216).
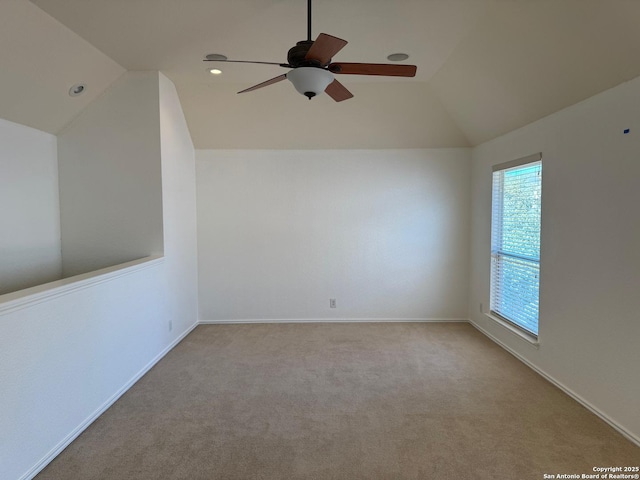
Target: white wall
(590,262)
(179,210)
(29,208)
(65,356)
(384,232)
(110,178)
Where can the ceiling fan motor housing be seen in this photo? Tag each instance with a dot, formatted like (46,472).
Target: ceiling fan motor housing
(297,54)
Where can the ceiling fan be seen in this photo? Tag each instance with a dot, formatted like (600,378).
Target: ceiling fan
(312,71)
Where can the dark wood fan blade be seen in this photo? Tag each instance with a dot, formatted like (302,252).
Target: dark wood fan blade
(248,61)
(325,47)
(385,69)
(338,92)
(277,79)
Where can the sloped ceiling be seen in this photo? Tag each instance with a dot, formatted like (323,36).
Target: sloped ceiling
(485,67)
(40,60)
(528,59)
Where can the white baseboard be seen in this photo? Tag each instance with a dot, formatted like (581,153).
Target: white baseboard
(330,320)
(55,451)
(628,435)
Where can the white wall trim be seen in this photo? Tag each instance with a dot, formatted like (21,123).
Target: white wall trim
(55,451)
(28,297)
(628,435)
(330,320)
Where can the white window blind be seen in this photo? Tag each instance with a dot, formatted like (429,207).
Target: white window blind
(515,241)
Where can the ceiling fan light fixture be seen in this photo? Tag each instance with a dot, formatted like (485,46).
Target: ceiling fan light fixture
(215,71)
(310,81)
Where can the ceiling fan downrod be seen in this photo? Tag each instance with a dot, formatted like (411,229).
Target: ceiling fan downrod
(296,57)
(309,20)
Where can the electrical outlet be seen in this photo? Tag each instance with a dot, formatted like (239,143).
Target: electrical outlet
(332,303)
(170,325)
(481,309)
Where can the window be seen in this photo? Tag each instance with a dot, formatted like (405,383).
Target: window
(515,242)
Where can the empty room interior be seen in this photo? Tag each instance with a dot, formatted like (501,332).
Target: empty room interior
(271,239)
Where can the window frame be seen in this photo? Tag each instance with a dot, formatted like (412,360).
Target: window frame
(522,330)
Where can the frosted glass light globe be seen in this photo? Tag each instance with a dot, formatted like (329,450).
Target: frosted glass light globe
(310,81)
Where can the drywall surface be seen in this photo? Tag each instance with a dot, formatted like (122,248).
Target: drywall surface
(110,178)
(62,359)
(29,208)
(384,232)
(179,209)
(383,114)
(66,355)
(590,265)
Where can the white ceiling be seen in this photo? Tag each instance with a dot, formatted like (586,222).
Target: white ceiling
(39,61)
(485,67)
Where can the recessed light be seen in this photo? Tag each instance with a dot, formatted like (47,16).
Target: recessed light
(216,56)
(215,71)
(77,89)
(397,57)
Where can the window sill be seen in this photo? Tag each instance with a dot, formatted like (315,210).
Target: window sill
(533,341)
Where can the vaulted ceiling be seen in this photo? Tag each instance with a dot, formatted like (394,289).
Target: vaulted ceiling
(485,67)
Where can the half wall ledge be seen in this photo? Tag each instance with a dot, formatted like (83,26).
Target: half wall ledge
(10,302)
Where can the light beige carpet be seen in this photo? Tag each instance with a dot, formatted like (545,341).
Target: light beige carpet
(341,401)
